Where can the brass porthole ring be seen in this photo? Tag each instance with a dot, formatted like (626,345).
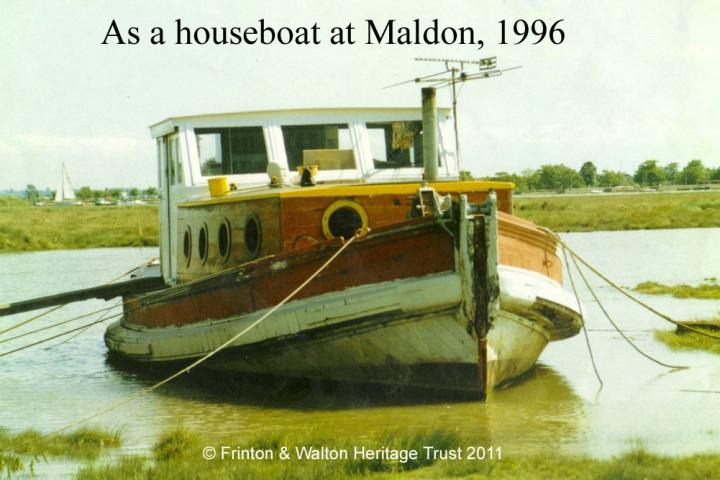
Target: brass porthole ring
(343,219)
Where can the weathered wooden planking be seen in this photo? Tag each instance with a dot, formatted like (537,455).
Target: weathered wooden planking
(421,249)
(236,214)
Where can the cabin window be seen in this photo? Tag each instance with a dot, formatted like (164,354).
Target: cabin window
(328,146)
(224,239)
(396,144)
(252,235)
(226,151)
(203,244)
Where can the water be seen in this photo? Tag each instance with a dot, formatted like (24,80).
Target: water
(558,408)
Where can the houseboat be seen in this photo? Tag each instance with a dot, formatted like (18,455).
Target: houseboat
(441,287)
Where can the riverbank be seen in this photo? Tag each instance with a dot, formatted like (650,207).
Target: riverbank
(647,211)
(24,227)
(436,454)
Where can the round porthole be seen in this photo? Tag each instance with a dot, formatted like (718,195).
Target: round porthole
(224,239)
(253,237)
(343,219)
(203,244)
(187,245)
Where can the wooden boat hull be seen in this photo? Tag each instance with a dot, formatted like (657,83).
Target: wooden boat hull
(401,306)
(405,332)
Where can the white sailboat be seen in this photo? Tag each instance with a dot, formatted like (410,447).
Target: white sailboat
(65,195)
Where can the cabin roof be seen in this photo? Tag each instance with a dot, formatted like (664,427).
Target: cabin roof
(168,125)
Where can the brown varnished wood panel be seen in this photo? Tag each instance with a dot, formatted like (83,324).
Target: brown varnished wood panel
(378,258)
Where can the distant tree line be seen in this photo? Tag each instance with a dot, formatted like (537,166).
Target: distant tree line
(87,194)
(649,173)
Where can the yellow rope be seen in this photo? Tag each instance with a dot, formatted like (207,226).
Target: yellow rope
(159,384)
(626,293)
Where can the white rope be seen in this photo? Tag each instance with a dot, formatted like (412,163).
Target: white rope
(175,375)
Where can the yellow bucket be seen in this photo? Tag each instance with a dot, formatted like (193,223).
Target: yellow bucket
(218,186)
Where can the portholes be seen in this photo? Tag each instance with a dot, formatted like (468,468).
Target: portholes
(253,237)
(343,219)
(187,245)
(203,244)
(224,239)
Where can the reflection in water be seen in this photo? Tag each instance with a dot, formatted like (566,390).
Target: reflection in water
(539,409)
(556,407)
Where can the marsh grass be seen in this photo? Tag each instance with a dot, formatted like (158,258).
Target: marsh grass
(687,340)
(24,227)
(621,212)
(709,290)
(177,456)
(85,443)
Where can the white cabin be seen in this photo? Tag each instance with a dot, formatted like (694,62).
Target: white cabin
(350,145)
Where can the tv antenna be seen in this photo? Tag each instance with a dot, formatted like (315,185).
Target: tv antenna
(455,73)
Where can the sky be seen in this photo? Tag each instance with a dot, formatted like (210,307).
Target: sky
(630,81)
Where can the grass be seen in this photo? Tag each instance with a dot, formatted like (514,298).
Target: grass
(178,456)
(709,290)
(683,339)
(24,227)
(621,212)
(85,442)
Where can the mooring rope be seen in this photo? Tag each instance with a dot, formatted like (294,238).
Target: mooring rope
(102,318)
(622,334)
(64,322)
(68,332)
(582,318)
(625,292)
(58,307)
(187,369)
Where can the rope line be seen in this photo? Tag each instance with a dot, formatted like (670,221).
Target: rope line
(102,317)
(47,327)
(622,334)
(32,319)
(626,293)
(582,317)
(68,332)
(187,369)
(57,307)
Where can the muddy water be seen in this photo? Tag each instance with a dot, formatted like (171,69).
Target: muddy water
(558,407)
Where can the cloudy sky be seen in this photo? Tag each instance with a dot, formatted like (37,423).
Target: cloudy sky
(631,81)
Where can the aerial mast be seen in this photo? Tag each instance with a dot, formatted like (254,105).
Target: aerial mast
(458,75)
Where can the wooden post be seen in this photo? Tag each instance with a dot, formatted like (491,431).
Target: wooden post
(487,287)
(430,153)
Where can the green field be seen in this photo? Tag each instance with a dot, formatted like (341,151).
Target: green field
(589,213)
(25,228)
